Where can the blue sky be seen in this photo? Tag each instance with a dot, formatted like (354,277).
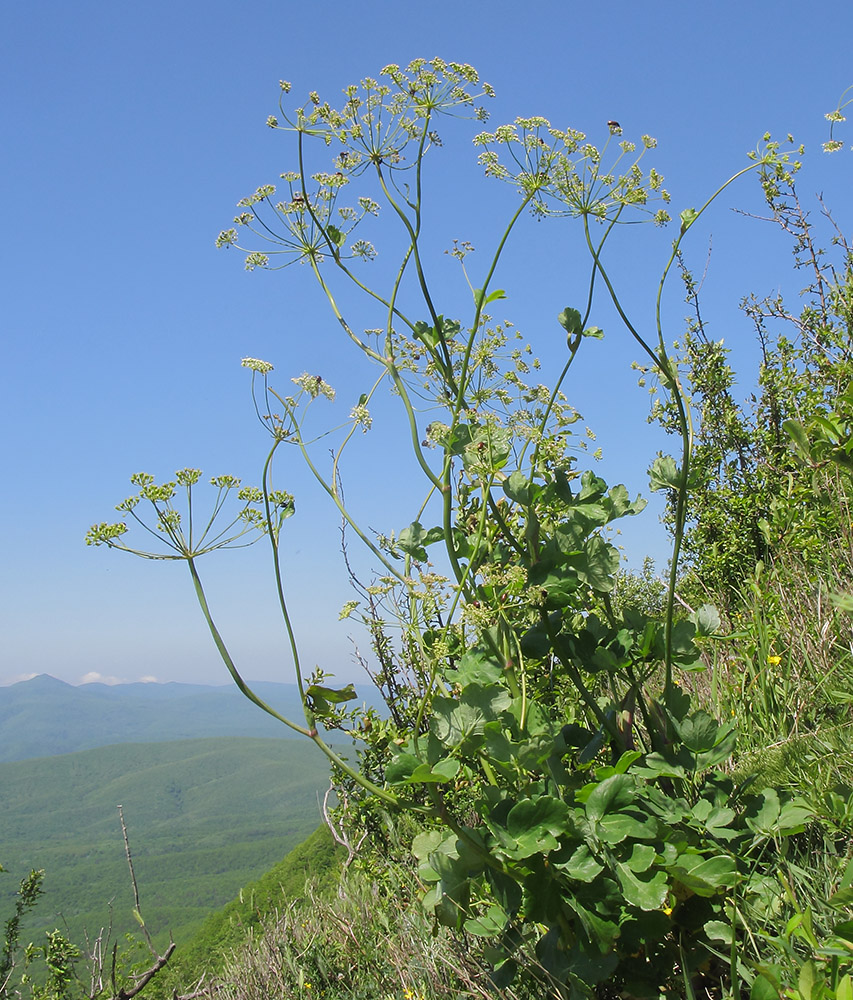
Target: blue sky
(130,132)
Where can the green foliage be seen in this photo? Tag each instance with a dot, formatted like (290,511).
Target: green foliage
(26,897)
(57,970)
(752,501)
(768,538)
(572,798)
(627,876)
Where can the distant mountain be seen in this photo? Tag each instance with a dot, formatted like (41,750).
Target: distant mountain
(44,716)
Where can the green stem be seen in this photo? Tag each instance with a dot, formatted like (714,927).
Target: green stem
(460,399)
(684,422)
(414,232)
(573,345)
(339,316)
(574,676)
(333,493)
(273,532)
(311,733)
(388,363)
(228,661)
(661,361)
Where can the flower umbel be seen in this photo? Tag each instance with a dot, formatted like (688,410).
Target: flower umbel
(256,365)
(179,529)
(314,385)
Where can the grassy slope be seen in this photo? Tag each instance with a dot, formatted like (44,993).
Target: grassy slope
(317,858)
(204,818)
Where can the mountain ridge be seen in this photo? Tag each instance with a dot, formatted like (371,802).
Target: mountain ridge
(46,717)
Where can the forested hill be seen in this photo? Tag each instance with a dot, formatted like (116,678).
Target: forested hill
(44,716)
(205,818)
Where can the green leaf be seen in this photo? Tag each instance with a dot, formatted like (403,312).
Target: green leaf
(535,824)
(592,487)
(844,990)
(688,217)
(648,894)
(844,930)
(453,722)
(763,813)
(480,302)
(713,818)
(797,433)
(685,652)
(491,699)
(425,333)
(707,620)
(442,771)
(656,765)
(336,237)
(664,474)
(535,644)
(571,321)
(594,331)
(498,746)
(808,980)
(401,768)
(621,504)
(719,930)
(570,536)
(763,989)
(793,817)
(705,875)
(619,826)
(488,924)
(641,858)
(599,565)
(456,721)
(621,766)
(699,732)
(425,843)
(487,451)
(677,702)
(593,748)
(841,899)
(582,865)
(476,667)
(610,795)
(519,488)
(452,891)
(559,585)
(414,539)
(322,698)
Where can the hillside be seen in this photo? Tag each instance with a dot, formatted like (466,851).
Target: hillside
(317,859)
(205,818)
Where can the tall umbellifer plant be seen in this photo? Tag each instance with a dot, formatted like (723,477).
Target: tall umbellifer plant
(560,776)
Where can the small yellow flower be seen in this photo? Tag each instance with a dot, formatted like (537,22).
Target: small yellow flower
(774,661)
